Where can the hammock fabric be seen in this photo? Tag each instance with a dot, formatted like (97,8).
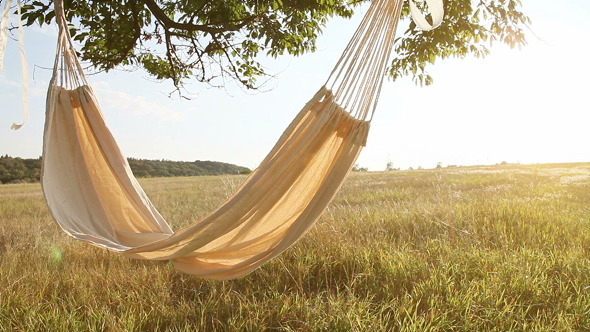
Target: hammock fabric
(93,195)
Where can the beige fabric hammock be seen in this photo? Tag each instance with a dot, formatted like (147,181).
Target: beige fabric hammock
(93,195)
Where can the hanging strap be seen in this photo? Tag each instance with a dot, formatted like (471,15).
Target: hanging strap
(437,12)
(25,70)
(23,57)
(4,31)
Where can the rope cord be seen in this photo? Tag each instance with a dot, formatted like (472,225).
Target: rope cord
(358,76)
(67,70)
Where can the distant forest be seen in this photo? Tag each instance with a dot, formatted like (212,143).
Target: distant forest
(15,170)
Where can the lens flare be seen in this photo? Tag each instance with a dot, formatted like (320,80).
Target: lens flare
(56,255)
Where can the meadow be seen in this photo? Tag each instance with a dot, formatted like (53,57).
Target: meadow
(486,248)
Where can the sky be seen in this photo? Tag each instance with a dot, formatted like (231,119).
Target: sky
(518,106)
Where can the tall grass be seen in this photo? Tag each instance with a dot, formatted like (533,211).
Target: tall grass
(502,248)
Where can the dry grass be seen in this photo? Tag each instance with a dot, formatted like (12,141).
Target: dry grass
(498,248)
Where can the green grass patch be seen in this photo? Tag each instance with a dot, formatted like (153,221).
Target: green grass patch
(489,248)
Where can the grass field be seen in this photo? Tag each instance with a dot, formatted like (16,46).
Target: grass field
(488,248)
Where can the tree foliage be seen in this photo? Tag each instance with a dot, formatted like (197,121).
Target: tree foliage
(160,168)
(216,41)
(470,27)
(19,170)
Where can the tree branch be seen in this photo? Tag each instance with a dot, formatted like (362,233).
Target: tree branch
(168,23)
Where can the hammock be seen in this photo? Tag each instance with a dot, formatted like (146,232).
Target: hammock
(93,195)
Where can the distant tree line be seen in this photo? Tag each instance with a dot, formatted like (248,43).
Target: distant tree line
(19,170)
(159,168)
(14,170)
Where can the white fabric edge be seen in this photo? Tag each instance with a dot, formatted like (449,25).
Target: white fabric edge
(25,71)
(436,9)
(23,58)
(4,31)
